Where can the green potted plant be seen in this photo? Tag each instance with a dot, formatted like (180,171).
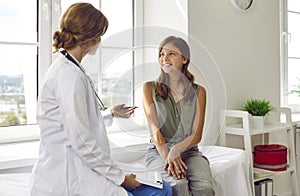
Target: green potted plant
(258,108)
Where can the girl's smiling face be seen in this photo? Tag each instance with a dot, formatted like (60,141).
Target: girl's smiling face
(170,57)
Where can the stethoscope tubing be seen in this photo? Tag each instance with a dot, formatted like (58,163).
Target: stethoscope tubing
(70,58)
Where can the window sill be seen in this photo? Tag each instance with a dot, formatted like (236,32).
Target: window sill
(22,133)
(23,154)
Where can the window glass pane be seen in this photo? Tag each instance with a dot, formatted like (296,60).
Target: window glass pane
(18,23)
(66,3)
(294,81)
(294,30)
(120,19)
(294,5)
(18,84)
(91,64)
(116,77)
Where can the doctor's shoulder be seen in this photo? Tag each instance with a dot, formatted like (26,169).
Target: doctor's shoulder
(65,69)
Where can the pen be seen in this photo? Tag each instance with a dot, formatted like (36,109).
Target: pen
(127,107)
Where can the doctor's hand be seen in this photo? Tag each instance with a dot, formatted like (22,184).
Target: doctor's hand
(130,183)
(121,111)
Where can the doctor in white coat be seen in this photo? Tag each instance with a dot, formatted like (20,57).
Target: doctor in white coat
(74,157)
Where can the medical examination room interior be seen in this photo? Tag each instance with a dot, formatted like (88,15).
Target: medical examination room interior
(235,54)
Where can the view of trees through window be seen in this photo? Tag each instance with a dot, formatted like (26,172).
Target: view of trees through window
(18,70)
(12,100)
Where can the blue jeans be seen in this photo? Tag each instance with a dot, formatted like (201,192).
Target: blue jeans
(146,190)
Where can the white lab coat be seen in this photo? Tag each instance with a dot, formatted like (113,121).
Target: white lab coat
(74,157)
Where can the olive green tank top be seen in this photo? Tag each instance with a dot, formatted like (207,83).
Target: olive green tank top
(175,118)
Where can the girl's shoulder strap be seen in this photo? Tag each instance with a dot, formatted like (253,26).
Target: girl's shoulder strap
(196,88)
(153,88)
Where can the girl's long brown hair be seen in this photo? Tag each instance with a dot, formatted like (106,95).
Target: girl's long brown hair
(162,88)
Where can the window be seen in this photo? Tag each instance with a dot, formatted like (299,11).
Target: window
(18,72)
(112,67)
(26,48)
(291,54)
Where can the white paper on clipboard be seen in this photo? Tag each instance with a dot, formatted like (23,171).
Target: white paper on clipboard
(150,178)
(144,176)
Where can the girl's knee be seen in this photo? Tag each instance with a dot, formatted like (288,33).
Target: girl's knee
(205,191)
(180,188)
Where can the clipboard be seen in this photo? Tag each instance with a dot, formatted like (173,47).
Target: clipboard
(144,176)
(150,178)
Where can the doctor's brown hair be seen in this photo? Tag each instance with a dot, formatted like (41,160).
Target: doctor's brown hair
(162,88)
(82,24)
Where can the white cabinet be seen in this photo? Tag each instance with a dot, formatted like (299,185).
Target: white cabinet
(238,122)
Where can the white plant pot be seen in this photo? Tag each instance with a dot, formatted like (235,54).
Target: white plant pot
(258,122)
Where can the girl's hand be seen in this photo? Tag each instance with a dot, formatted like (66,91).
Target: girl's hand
(176,168)
(175,165)
(121,111)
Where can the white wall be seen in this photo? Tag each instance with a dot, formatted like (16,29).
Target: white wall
(245,46)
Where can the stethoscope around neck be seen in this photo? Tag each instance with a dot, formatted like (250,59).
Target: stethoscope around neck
(70,58)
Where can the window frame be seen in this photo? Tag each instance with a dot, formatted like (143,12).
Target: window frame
(284,39)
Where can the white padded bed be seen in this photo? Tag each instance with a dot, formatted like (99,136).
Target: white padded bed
(230,169)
